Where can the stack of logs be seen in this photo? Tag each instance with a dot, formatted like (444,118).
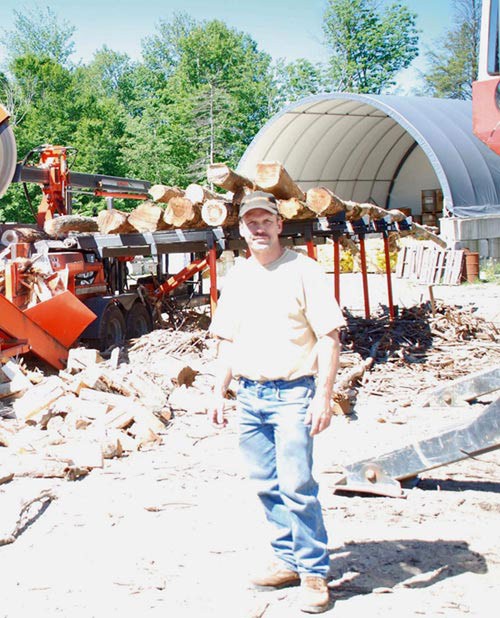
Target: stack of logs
(198,206)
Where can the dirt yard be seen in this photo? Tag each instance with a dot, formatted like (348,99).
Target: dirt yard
(174,530)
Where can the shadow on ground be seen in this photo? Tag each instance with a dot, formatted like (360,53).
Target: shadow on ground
(361,568)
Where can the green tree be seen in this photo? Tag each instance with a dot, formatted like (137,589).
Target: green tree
(453,61)
(368,47)
(39,32)
(213,96)
(298,79)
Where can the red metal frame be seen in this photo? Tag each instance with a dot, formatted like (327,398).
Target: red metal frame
(388,275)
(183,275)
(336,268)
(364,275)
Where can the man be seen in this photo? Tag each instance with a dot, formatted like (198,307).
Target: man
(277,325)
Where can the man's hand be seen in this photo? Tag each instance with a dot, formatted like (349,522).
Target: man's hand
(318,415)
(216,410)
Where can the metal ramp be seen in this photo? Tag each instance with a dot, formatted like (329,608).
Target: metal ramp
(383,475)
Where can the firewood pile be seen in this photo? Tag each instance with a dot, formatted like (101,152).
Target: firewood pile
(65,425)
(197,206)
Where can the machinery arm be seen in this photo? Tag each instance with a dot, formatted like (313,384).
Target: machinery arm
(52,173)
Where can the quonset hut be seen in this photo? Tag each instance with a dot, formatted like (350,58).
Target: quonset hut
(413,153)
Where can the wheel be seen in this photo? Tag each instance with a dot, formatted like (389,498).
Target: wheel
(138,321)
(112,327)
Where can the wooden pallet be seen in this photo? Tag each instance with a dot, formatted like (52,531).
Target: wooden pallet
(430,265)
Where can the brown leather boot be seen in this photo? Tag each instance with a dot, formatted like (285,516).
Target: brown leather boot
(314,595)
(278,575)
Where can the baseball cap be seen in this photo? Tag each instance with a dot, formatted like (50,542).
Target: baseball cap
(258,199)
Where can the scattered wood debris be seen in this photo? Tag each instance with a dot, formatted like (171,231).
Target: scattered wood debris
(66,424)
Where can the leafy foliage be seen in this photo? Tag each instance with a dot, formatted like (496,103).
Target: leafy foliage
(453,62)
(367,47)
(39,32)
(200,94)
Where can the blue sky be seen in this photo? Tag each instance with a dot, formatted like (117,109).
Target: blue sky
(283,28)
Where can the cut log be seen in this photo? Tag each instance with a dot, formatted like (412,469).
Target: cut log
(421,231)
(119,418)
(110,399)
(112,221)
(182,212)
(219,213)
(147,217)
(294,209)
(349,245)
(164,193)
(18,381)
(81,358)
(40,466)
(223,176)
(197,194)
(148,393)
(61,226)
(239,195)
(22,234)
(33,404)
(323,202)
(273,177)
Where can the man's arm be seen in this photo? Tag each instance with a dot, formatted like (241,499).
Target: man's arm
(223,377)
(319,413)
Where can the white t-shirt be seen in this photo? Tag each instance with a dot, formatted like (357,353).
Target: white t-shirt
(274,315)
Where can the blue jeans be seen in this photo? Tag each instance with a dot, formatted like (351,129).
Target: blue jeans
(278,449)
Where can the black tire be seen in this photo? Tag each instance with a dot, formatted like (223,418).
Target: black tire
(112,328)
(139,321)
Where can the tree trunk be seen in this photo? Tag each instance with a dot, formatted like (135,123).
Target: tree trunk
(223,176)
(114,222)
(217,213)
(163,193)
(197,194)
(147,217)
(293,208)
(60,226)
(273,177)
(323,202)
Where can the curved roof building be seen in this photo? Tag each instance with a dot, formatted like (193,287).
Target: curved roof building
(383,149)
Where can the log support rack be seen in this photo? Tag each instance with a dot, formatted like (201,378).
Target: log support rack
(211,242)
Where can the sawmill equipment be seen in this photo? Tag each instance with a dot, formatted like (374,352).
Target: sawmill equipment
(88,293)
(383,475)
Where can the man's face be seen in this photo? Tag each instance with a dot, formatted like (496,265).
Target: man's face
(261,229)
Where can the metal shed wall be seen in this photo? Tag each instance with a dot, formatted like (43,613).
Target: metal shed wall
(384,149)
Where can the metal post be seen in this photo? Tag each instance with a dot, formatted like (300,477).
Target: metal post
(311,249)
(336,267)
(364,274)
(212,268)
(385,236)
